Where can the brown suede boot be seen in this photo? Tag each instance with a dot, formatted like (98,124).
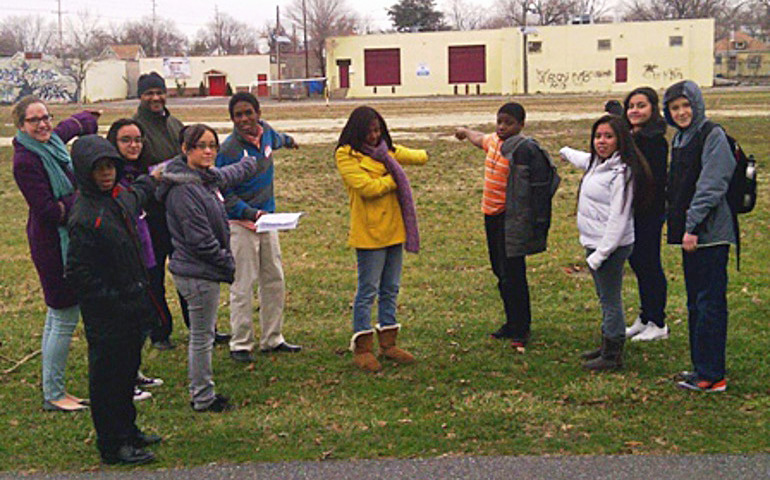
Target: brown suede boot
(361,344)
(611,357)
(387,338)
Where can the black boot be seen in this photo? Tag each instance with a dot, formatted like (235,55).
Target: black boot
(591,354)
(611,357)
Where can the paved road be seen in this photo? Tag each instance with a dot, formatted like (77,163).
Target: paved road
(689,467)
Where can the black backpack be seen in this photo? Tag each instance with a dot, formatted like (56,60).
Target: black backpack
(742,191)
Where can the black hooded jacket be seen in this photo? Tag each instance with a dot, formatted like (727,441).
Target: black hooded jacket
(104,261)
(651,141)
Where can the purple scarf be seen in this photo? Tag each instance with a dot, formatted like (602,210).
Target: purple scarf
(403,192)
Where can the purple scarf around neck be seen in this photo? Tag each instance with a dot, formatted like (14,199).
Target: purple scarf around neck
(403,192)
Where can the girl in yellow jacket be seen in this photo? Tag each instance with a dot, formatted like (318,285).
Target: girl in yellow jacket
(383,223)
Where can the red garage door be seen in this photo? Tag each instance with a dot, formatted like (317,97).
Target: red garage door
(467,64)
(382,66)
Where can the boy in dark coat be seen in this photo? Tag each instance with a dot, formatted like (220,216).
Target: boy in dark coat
(105,267)
(519,182)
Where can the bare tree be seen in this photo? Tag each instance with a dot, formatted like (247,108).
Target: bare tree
(554,12)
(463,15)
(85,40)
(170,41)
(29,33)
(723,11)
(325,18)
(224,35)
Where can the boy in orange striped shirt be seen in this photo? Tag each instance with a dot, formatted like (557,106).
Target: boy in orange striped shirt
(513,212)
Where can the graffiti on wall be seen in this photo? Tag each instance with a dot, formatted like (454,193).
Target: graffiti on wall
(655,72)
(561,80)
(20,77)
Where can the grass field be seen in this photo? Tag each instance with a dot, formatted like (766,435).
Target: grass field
(467,395)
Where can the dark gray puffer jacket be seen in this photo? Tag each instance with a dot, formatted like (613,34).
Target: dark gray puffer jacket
(197,220)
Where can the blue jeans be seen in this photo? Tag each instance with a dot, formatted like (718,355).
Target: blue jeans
(60,324)
(645,261)
(379,272)
(608,280)
(705,277)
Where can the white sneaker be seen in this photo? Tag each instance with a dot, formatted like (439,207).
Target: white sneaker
(140,394)
(144,382)
(652,332)
(636,328)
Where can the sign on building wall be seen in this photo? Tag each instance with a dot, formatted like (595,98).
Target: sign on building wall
(423,70)
(176,67)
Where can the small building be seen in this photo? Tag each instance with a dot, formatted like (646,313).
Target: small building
(613,57)
(130,54)
(739,55)
(185,75)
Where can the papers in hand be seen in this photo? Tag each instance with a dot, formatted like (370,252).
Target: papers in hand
(277,221)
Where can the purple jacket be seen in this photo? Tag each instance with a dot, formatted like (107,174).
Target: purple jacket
(45,213)
(131,171)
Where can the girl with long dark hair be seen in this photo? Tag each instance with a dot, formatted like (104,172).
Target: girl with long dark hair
(615,184)
(649,133)
(383,222)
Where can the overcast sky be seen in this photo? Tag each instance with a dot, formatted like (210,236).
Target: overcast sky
(191,15)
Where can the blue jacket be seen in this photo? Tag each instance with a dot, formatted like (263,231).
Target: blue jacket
(256,193)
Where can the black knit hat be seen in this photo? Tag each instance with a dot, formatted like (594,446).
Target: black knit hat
(150,80)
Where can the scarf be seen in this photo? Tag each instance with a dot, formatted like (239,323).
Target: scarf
(403,192)
(56,159)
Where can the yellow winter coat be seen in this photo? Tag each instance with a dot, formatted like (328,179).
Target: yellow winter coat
(375,214)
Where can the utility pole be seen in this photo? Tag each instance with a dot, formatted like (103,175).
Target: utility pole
(61,33)
(278,45)
(154,30)
(304,43)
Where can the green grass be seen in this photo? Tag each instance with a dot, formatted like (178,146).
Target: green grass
(467,395)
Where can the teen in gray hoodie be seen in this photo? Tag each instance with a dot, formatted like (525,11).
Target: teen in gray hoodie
(200,234)
(699,219)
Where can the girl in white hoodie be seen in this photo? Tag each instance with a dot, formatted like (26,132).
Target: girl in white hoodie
(617,179)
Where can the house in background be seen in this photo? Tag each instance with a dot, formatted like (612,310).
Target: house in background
(184,75)
(741,56)
(611,57)
(130,54)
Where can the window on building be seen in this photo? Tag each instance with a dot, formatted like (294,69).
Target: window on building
(604,44)
(739,45)
(467,64)
(732,63)
(755,61)
(535,47)
(718,59)
(382,66)
(675,41)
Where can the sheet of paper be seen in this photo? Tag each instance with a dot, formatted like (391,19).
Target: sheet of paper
(277,221)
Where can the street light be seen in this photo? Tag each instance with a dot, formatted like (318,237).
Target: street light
(525,30)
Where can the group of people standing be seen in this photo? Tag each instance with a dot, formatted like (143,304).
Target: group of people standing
(104,219)
(101,229)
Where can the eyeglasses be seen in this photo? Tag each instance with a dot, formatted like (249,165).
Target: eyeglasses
(130,140)
(36,120)
(204,146)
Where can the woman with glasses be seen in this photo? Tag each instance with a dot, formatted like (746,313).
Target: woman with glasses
(42,168)
(127,136)
(200,234)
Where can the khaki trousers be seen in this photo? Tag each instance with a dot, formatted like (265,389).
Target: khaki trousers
(257,259)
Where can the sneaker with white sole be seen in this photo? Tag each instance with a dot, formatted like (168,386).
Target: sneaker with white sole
(636,328)
(700,385)
(651,332)
(144,382)
(140,394)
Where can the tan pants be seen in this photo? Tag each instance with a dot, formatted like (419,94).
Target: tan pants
(257,259)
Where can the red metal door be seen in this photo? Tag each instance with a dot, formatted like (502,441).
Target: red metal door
(344,75)
(262,90)
(217,86)
(382,66)
(467,64)
(621,70)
